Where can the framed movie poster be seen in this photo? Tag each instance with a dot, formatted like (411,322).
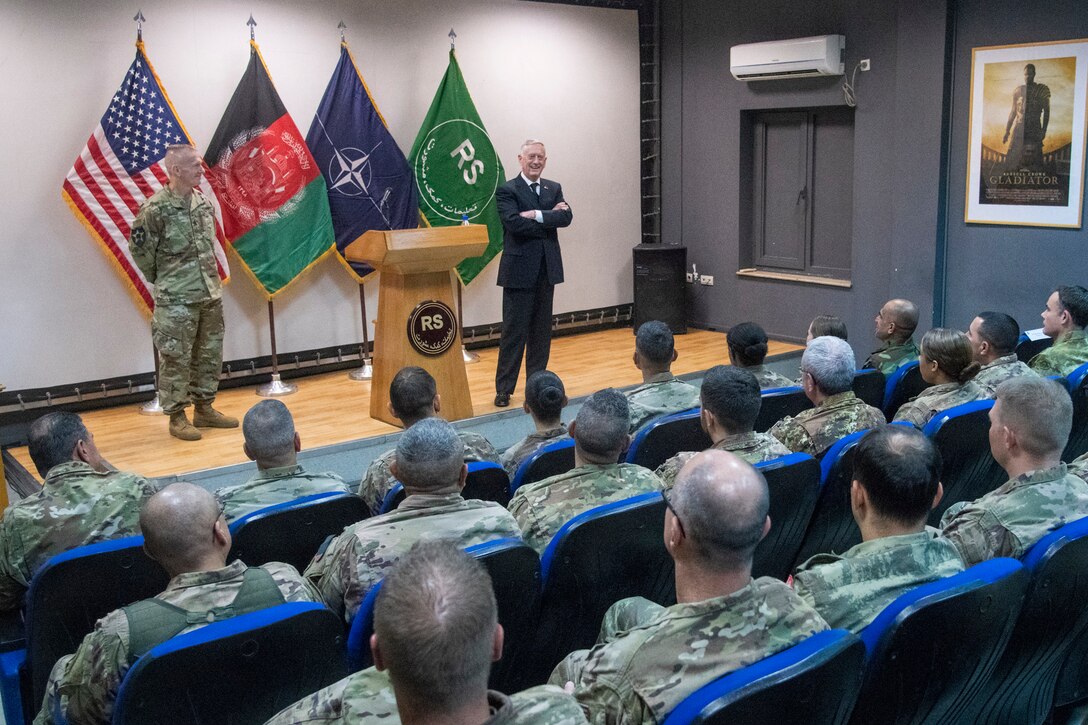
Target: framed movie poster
(1025,162)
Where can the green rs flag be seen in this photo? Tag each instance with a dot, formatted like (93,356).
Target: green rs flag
(456,167)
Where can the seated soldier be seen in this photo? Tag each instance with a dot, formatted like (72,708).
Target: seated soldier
(896,484)
(600,437)
(183,530)
(84,500)
(430,461)
(436,633)
(993,337)
(827,377)
(545,398)
(747,344)
(661,393)
(272,441)
(648,657)
(414,396)
(948,365)
(895,325)
(823,325)
(1064,319)
(1029,427)
(731,400)
(1079,467)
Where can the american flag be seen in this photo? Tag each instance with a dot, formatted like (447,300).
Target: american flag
(122,165)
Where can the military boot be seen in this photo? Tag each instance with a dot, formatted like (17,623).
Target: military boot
(181,428)
(205,416)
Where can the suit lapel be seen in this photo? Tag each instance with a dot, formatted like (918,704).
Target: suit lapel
(528,198)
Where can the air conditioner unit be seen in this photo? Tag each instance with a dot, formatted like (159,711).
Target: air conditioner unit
(822,55)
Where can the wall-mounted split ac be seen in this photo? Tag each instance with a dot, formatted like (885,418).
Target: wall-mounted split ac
(822,55)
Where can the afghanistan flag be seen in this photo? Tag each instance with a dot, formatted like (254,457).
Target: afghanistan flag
(457,169)
(370,183)
(275,209)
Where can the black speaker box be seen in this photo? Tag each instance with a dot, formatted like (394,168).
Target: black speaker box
(659,285)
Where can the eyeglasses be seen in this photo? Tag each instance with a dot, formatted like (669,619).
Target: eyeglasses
(670,507)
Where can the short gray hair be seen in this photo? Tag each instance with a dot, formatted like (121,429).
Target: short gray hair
(269,430)
(531,142)
(830,362)
(1039,411)
(601,425)
(430,455)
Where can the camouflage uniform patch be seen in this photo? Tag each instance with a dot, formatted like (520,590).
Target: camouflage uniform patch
(541,508)
(274,486)
(752,447)
(1079,467)
(815,430)
(931,401)
(358,558)
(993,374)
(891,357)
(1012,517)
(378,479)
(515,455)
(86,682)
(76,506)
(850,590)
(768,379)
(662,394)
(641,673)
(1069,352)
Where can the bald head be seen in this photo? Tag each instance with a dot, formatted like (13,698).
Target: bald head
(897,320)
(181,527)
(722,504)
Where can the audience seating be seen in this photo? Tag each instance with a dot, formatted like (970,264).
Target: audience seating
(777,403)
(869,386)
(602,555)
(794,483)
(1078,437)
(550,460)
(831,527)
(1026,348)
(932,649)
(240,670)
(662,438)
(293,531)
(815,681)
(903,384)
(1072,685)
(969,471)
(515,574)
(1055,610)
(486,481)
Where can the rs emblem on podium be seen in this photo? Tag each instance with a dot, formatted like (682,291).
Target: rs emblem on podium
(432,327)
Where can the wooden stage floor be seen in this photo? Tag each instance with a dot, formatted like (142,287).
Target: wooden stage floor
(330,408)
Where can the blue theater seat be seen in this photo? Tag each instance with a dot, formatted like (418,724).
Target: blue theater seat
(815,681)
(969,471)
(777,403)
(293,531)
(1026,348)
(794,484)
(831,527)
(1077,383)
(515,575)
(662,438)
(932,649)
(550,460)
(486,481)
(240,670)
(902,385)
(1055,611)
(869,386)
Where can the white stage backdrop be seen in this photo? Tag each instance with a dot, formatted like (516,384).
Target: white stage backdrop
(566,74)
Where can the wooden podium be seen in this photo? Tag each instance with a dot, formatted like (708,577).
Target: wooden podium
(417,313)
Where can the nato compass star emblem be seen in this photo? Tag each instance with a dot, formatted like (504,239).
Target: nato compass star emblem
(349,169)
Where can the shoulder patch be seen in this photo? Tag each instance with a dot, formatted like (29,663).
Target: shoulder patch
(139,236)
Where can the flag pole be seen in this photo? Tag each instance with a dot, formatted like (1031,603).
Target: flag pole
(275,387)
(153,406)
(366,372)
(467,355)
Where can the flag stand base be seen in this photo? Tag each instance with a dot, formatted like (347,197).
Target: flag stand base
(366,372)
(152,407)
(468,356)
(276,388)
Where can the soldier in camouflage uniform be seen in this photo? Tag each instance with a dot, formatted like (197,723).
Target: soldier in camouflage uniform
(947,364)
(272,441)
(600,436)
(896,484)
(1064,319)
(172,242)
(84,500)
(827,376)
(1029,427)
(413,396)
(185,532)
(1079,467)
(895,325)
(430,463)
(748,345)
(730,399)
(545,398)
(649,657)
(436,634)
(993,337)
(661,393)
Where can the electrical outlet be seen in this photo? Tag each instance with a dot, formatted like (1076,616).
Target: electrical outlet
(864,65)
(707,279)
(690,277)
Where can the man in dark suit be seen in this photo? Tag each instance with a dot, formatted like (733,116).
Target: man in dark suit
(531,210)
